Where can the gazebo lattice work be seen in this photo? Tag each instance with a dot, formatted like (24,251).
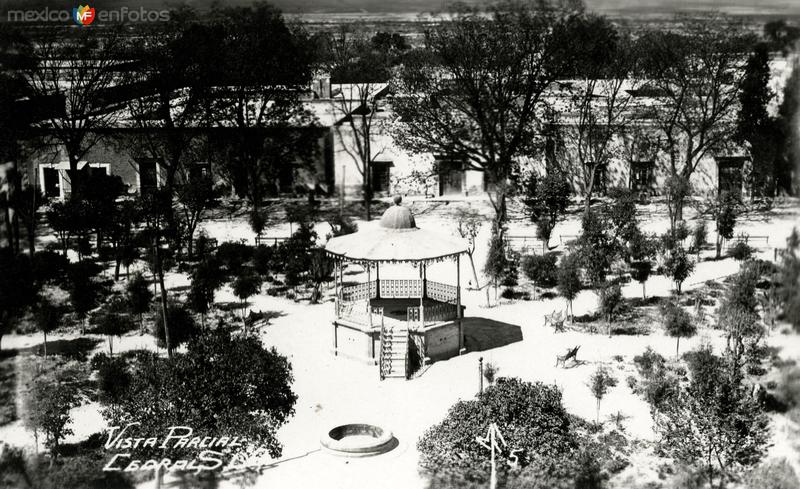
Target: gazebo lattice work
(399,324)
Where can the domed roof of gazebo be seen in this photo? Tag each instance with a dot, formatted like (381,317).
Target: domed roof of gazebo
(396,239)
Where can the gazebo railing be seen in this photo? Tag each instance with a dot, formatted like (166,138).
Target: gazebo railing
(398,289)
(441,292)
(359,292)
(433,314)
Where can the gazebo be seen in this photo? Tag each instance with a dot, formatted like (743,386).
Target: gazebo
(399,324)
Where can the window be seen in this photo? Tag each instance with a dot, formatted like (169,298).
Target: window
(199,170)
(380,174)
(51,181)
(148,176)
(451,174)
(730,175)
(642,175)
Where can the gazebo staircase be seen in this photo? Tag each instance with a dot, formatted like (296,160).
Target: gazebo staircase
(394,352)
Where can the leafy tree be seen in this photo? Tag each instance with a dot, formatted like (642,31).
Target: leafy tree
(139,296)
(640,271)
(321,271)
(87,70)
(546,199)
(741,251)
(541,270)
(113,377)
(699,237)
(83,290)
(207,388)
(678,266)
(597,245)
(780,34)
(738,312)
(297,254)
(725,217)
(114,320)
(475,91)
(531,417)
(206,279)
(51,391)
(246,285)
(569,279)
(599,383)
(17,288)
(677,324)
(659,384)
(469,222)
(182,327)
(47,317)
(610,301)
(696,95)
(714,423)
(496,263)
(755,126)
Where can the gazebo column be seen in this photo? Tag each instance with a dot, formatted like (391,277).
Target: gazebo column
(424,279)
(458,306)
(422,295)
(369,296)
(377,280)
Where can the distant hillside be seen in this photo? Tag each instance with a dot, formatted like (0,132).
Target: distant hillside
(740,7)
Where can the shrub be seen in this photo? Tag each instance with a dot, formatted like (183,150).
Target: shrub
(541,269)
(678,266)
(610,300)
(569,279)
(599,383)
(699,236)
(490,372)
(247,284)
(741,251)
(640,271)
(262,259)
(182,326)
(530,416)
(677,323)
(233,256)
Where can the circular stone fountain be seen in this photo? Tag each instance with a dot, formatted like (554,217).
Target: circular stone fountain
(358,440)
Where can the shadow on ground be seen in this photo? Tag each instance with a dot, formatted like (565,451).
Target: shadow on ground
(484,334)
(77,349)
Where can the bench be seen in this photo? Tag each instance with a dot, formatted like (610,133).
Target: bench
(749,240)
(571,354)
(266,240)
(556,320)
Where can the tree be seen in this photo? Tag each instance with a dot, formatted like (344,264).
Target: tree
(496,261)
(699,237)
(156,211)
(474,92)
(569,279)
(82,77)
(247,284)
(206,279)
(677,324)
(601,105)
(51,390)
(755,126)
(139,296)
(207,389)
(195,197)
(321,271)
(114,320)
(774,474)
(788,142)
(599,383)
(362,70)
(714,424)
(597,245)
(546,199)
(541,270)
(738,312)
(83,290)
(260,104)
(532,420)
(469,222)
(610,301)
(181,325)
(725,218)
(697,93)
(678,266)
(640,271)
(47,317)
